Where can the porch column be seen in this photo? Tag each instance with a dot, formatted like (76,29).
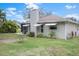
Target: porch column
(65,31)
(46,30)
(33,29)
(35,26)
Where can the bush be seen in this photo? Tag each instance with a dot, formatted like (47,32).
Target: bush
(40,35)
(21,41)
(31,34)
(52,34)
(9,27)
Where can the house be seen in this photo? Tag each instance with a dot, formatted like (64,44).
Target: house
(62,27)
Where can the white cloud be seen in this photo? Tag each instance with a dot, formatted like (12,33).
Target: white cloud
(32,5)
(7,14)
(19,18)
(11,11)
(14,14)
(73,15)
(11,8)
(20,11)
(70,6)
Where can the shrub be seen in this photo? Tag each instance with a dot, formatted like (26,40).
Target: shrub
(40,35)
(31,34)
(20,41)
(52,34)
(9,27)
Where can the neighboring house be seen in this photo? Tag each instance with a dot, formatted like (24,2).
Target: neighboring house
(62,27)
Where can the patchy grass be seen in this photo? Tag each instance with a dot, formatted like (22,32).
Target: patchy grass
(41,46)
(8,35)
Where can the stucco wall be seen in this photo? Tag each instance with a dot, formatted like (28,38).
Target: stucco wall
(60,32)
(71,27)
(63,30)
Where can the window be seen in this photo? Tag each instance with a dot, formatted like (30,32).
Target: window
(42,28)
(53,27)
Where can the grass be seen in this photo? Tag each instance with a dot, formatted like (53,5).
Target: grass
(8,35)
(40,46)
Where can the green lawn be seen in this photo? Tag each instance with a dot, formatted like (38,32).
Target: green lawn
(8,35)
(40,46)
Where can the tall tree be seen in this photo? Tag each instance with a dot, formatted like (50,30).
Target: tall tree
(2,16)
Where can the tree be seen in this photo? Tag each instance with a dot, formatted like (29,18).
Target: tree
(2,16)
(26,13)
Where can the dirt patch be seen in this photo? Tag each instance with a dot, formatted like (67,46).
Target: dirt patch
(7,40)
(50,51)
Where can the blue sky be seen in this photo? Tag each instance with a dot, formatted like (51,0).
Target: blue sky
(61,8)
(14,11)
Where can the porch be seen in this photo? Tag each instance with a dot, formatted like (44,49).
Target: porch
(46,29)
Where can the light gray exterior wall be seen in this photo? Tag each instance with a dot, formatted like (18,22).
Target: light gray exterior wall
(71,27)
(59,32)
(63,30)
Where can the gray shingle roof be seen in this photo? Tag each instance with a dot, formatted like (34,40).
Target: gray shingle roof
(54,18)
(51,18)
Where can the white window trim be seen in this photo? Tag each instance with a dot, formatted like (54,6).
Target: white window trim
(50,24)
